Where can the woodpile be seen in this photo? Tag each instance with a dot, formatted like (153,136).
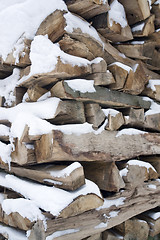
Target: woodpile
(80,120)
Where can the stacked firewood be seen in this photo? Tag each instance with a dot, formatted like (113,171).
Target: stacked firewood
(80,124)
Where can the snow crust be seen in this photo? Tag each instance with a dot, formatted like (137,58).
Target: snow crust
(129,131)
(12,233)
(152,83)
(141,164)
(154,108)
(111,202)
(110,111)
(61,233)
(117,14)
(125,67)
(49,199)
(21,19)
(152,186)
(81,85)
(138,27)
(66,171)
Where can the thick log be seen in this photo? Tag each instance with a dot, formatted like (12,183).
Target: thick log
(134,229)
(74,47)
(97,221)
(152,89)
(112,30)
(155,59)
(102,78)
(156,11)
(145,28)
(5,70)
(103,96)
(58,146)
(105,175)
(134,117)
(94,114)
(137,172)
(115,119)
(97,236)
(136,11)
(34,93)
(68,178)
(87,9)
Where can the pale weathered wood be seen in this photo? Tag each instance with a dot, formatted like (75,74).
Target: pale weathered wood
(87,8)
(153,121)
(136,11)
(76,48)
(102,78)
(35,92)
(105,147)
(115,121)
(134,229)
(137,201)
(103,96)
(136,80)
(94,114)
(47,174)
(156,10)
(112,235)
(97,236)
(105,175)
(112,31)
(147,29)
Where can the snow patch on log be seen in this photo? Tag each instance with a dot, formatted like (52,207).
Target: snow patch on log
(61,233)
(12,233)
(129,131)
(81,85)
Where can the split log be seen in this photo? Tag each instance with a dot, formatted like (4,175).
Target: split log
(57,146)
(145,28)
(23,153)
(137,172)
(35,92)
(136,11)
(97,221)
(134,117)
(102,78)
(155,59)
(134,229)
(74,47)
(87,9)
(152,121)
(97,236)
(136,80)
(112,30)
(103,96)
(155,38)
(153,219)
(156,11)
(115,119)
(68,178)
(94,114)
(5,70)
(152,89)
(105,175)
(137,49)
(154,161)
(19,93)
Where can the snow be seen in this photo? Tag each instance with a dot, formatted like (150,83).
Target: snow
(117,14)
(49,199)
(7,87)
(26,208)
(101,225)
(125,67)
(141,164)
(52,181)
(138,27)
(74,22)
(152,83)
(110,111)
(123,172)
(157,2)
(154,108)
(152,186)
(134,67)
(5,151)
(44,96)
(61,233)
(21,19)
(66,171)
(4,130)
(112,202)
(153,215)
(12,233)
(81,85)
(129,131)
(137,42)
(113,214)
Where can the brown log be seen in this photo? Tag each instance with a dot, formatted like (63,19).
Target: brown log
(105,175)
(35,92)
(134,229)
(49,175)
(102,78)
(135,117)
(150,92)
(74,47)
(115,121)
(96,221)
(112,31)
(152,121)
(5,70)
(154,161)
(136,11)
(112,235)
(97,236)
(155,59)
(156,10)
(57,146)
(103,96)
(145,28)
(87,9)
(94,114)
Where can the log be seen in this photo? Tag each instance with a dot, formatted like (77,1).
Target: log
(97,221)
(102,78)
(94,114)
(134,117)
(61,176)
(136,11)
(103,96)
(155,60)
(156,10)
(112,235)
(144,28)
(152,89)
(5,70)
(137,172)
(97,236)
(58,146)
(74,47)
(105,175)
(115,119)
(110,29)
(134,228)
(35,92)
(154,161)
(87,9)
